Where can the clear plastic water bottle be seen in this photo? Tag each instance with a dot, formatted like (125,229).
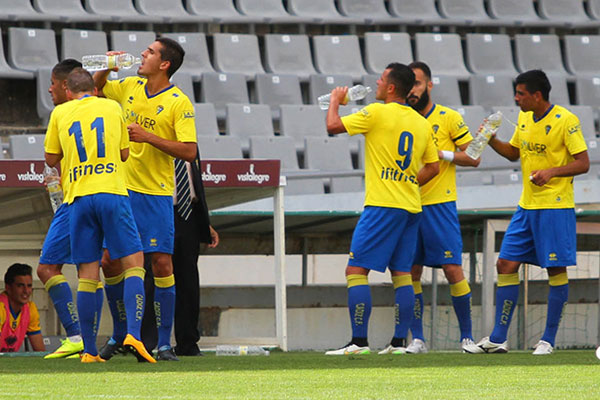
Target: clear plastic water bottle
(100,62)
(357,92)
(233,350)
(490,126)
(55,192)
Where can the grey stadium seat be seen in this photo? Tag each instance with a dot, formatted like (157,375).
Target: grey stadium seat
(373,12)
(445,90)
(169,11)
(320,12)
(559,94)
(490,159)
(594,9)
(587,89)
(44,104)
(196,60)
(245,120)
(490,54)
(6,71)
(472,116)
(134,42)
(184,82)
(384,48)
(288,54)
(338,55)
(27,147)
(418,12)
(271,12)
(282,148)
(274,90)
(300,121)
(221,89)
(465,12)
(220,147)
(442,52)
(507,177)
(586,119)
(469,177)
(568,12)
(219,11)
(237,53)
(11,10)
(65,10)
(206,120)
(489,91)
(515,12)
(539,52)
(582,54)
(77,43)
(118,11)
(30,49)
(332,155)
(371,81)
(323,84)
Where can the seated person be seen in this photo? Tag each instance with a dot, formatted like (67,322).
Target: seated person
(18,314)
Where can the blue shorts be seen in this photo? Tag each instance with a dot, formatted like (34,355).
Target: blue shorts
(57,245)
(439,241)
(541,237)
(102,216)
(384,237)
(154,219)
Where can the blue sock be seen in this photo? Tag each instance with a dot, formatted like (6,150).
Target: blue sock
(507,295)
(114,296)
(99,304)
(133,299)
(416,324)
(461,300)
(62,298)
(86,306)
(404,307)
(359,305)
(557,300)
(164,308)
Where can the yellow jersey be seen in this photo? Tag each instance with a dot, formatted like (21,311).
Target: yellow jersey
(89,133)
(449,132)
(34,318)
(398,142)
(168,114)
(546,143)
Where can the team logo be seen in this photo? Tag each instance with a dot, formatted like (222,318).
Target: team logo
(153,242)
(188,114)
(574,128)
(548,127)
(175,95)
(552,257)
(442,112)
(435,128)
(122,80)
(159,109)
(558,198)
(351,255)
(557,115)
(364,112)
(130,99)
(448,254)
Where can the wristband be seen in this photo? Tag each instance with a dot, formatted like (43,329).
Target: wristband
(447,155)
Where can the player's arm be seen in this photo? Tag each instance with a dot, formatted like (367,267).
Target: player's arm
(580,165)
(334,122)
(183,150)
(37,342)
(427,173)
(505,149)
(124,154)
(52,159)
(100,77)
(459,157)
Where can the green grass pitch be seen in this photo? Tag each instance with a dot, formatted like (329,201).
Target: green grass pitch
(573,374)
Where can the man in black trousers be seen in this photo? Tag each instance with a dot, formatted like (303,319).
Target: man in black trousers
(192,227)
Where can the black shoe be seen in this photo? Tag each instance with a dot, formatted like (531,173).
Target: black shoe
(188,351)
(109,350)
(167,355)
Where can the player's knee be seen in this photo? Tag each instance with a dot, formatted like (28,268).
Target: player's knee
(454,273)
(47,271)
(506,267)
(416,272)
(162,265)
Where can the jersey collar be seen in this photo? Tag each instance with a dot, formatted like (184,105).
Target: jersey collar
(430,111)
(543,116)
(156,94)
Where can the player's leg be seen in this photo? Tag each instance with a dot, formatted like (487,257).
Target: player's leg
(164,302)
(460,291)
(86,307)
(417,345)
(114,281)
(557,301)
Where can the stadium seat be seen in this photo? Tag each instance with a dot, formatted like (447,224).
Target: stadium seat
(237,53)
(469,177)
(320,12)
(270,11)
(27,147)
(66,10)
(170,11)
(464,12)
(338,55)
(220,147)
(134,42)
(282,148)
(384,48)
(490,54)
(288,54)
(559,94)
(219,11)
(324,84)
(515,12)
(567,12)
(332,155)
(490,90)
(275,90)
(206,120)
(445,90)
(221,89)
(539,52)
(507,177)
(587,89)
(30,49)
(586,119)
(372,12)
(582,54)
(183,81)
(472,116)
(44,104)
(78,43)
(442,52)
(11,10)
(245,120)
(118,11)
(300,121)
(416,12)
(6,71)
(593,173)
(196,60)
(491,159)
(594,9)
(371,81)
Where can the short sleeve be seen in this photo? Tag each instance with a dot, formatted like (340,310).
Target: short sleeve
(124,134)
(459,131)
(361,121)
(185,125)
(52,140)
(574,139)
(431,151)
(34,320)
(115,89)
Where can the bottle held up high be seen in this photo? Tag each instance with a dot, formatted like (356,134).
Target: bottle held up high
(357,92)
(100,62)
(489,128)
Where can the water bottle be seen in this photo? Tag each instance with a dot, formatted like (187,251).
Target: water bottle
(357,92)
(55,192)
(232,350)
(490,126)
(100,62)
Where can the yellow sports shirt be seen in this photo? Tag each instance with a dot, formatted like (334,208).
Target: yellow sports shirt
(398,142)
(550,142)
(90,133)
(34,318)
(449,132)
(168,114)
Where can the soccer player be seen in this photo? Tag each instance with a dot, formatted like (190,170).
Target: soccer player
(161,127)
(398,142)
(56,249)
(439,242)
(550,144)
(18,314)
(90,134)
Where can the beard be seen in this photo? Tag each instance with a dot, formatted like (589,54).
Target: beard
(422,102)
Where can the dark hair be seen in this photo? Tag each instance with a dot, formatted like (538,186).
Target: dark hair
(422,66)
(402,77)
(535,80)
(173,52)
(79,80)
(63,68)
(14,271)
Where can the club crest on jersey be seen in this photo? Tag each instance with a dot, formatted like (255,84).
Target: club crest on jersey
(159,109)
(547,128)
(435,128)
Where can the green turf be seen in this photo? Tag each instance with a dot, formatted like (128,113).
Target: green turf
(517,375)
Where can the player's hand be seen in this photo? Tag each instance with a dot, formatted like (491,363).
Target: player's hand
(339,94)
(214,235)
(114,53)
(137,134)
(541,177)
